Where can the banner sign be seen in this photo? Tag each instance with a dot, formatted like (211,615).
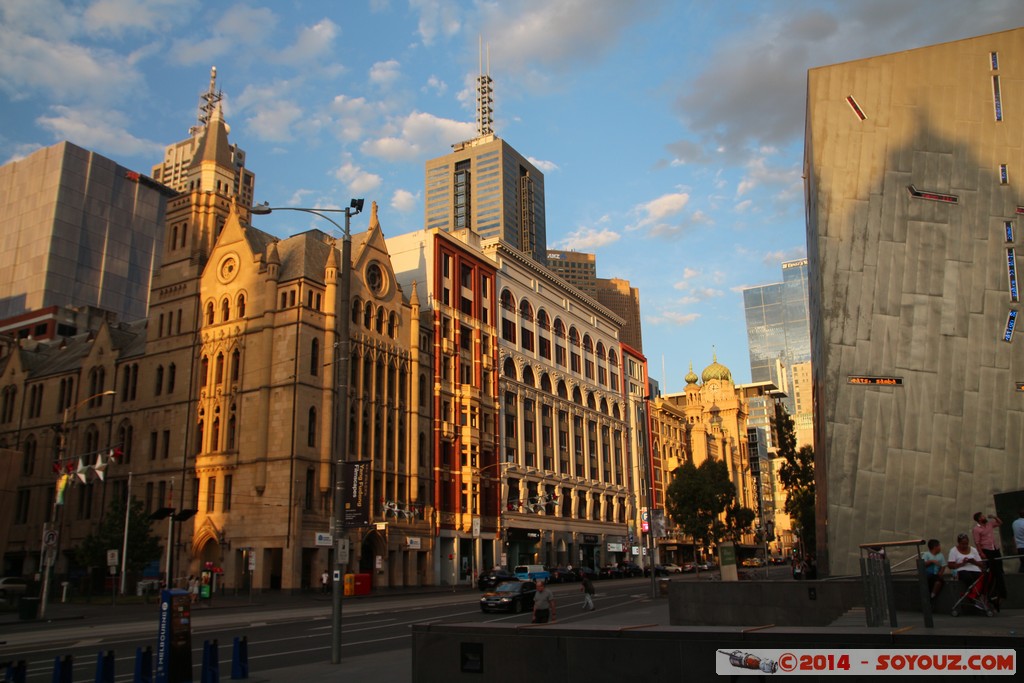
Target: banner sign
(356,498)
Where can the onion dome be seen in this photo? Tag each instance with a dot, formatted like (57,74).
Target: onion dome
(716,371)
(691,376)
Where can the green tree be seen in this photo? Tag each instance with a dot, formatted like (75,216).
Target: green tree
(696,498)
(737,521)
(797,478)
(143,546)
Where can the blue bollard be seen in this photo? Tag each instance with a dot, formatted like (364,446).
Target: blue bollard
(143,665)
(62,669)
(240,658)
(105,667)
(211,663)
(15,672)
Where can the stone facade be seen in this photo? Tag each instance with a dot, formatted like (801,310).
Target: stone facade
(913,164)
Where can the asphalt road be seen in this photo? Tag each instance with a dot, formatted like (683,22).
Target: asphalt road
(283,634)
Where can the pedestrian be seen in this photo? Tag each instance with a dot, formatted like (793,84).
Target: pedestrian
(325,581)
(934,566)
(1018,538)
(588,593)
(543,604)
(986,543)
(193,588)
(965,561)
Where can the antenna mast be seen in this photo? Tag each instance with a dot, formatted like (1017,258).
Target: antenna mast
(485,95)
(208,102)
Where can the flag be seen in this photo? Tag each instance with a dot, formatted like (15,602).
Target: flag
(100,468)
(82,469)
(62,485)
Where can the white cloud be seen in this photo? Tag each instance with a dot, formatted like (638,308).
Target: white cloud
(588,239)
(23,150)
(61,69)
(404,201)
(312,44)
(543,166)
(121,16)
(101,130)
(437,17)
(436,85)
(774,258)
(358,181)
(419,135)
(352,115)
(656,215)
(672,318)
(273,120)
(386,73)
(239,29)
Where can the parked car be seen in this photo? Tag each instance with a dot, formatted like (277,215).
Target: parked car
(630,570)
(609,571)
(673,568)
(689,567)
(511,596)
(659,570)
(12,588)
(563,575)
(490,580)
(589,572)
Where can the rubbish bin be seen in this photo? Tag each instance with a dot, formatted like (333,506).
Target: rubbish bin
(28,608)
(663,587)
(363,583)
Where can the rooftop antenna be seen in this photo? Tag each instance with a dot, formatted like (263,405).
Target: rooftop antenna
(484,95)
(208,102)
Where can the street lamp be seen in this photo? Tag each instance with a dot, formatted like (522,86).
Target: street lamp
(50,548)
(341,373)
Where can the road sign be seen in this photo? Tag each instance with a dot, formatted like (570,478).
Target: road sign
(50,538)
(112,558)
(343,551)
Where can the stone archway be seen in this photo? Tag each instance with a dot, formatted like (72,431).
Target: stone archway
(374,545)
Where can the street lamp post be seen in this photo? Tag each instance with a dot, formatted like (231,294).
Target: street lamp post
(342,355)
(50,551)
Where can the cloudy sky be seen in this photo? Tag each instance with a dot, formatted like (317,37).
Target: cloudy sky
(670,133)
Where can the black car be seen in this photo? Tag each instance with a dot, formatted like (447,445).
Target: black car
(511,596)
(658,571)
(630,570)
(490,580)
(563,575)
(585,571)
(609,571)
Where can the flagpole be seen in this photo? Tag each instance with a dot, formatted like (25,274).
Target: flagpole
(124,544)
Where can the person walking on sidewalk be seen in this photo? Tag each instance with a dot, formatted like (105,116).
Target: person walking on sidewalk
(1018,538)
(325,581)
(588,593)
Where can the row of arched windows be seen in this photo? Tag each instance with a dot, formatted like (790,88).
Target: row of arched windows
(225,310)
(375,318)
(219,361)
(560,389)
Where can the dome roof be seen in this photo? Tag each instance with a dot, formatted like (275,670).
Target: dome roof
(691,376)
(716,371)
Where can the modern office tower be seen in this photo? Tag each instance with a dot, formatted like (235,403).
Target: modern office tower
(778,332)
(206,143)
(78,230)
(460,447)
(485,185)
(577,268)
(624,301)
(913,167)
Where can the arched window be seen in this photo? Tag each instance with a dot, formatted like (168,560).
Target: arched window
(508,302)
(241,305)
(199,435)
(357,310)
(368,315)
(236,361)
(225,310)
(159,388)
(218,369)
(209,313)
(311,430)
(204,371)
(314,357)
(525,310)
(380,320)
(171,372)
(393,325)
(232,425)
(125,435)
(215,435)
(509,368)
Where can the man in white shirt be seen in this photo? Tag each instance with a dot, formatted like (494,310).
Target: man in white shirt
(1018,539)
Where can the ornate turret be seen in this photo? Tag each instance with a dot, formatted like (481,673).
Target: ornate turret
(716,371)
(691,376)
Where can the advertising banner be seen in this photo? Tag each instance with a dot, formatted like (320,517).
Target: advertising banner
(356,496)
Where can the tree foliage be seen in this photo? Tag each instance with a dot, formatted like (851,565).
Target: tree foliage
(737,521)
(797,478)
(143,546)
(696,498)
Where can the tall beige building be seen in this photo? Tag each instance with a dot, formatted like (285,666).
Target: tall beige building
(78,229)
(913,167)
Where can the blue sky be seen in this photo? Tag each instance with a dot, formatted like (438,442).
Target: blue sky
(670,133)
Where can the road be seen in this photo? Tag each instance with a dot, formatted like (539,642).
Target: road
(288,633)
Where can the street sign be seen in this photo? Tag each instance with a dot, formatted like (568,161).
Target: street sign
(323,539)
(476,527)
(112,558)
(342,551)
(50,538)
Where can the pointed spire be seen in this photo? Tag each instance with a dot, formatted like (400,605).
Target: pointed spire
(374,222)
(209,101)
